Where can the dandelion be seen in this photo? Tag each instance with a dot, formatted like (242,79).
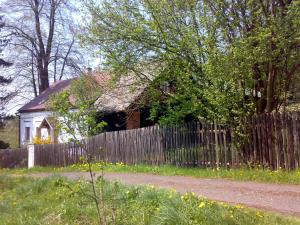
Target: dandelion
(201,205)
(259,215)
(239,206)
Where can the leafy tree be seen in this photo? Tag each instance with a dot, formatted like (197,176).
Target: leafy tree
(75,108)
(223,59)
(77,114)
(262,47)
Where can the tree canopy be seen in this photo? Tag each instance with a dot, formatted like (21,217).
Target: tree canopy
(76,110)
(223,60)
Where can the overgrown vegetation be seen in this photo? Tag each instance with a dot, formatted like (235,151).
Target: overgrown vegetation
(222,60)
(244,174)
(75,107)
(56,200)
(77,113)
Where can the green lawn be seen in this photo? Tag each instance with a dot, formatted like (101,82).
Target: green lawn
(56,200)
(260,175)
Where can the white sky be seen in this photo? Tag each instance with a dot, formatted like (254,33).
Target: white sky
(20,100)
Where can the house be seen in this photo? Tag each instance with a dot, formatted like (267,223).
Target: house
(117,106)
(35,119)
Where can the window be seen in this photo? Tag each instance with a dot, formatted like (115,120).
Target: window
(27,133)
(38,132)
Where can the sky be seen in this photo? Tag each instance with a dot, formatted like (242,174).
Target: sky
(90,61)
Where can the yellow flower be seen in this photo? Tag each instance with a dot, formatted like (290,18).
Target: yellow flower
(201,205)
(239,206)
(173,190)
(259,215)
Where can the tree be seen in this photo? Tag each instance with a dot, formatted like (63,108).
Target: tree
(262,43)
(42,34)
(176,37)
(224,59)
(5,95)
(76,110)
(77,114)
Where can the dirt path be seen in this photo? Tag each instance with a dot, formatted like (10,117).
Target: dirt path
(284,199)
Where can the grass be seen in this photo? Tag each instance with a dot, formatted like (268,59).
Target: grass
(56,200)
(243,174)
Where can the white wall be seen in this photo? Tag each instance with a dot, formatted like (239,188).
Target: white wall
(32,120)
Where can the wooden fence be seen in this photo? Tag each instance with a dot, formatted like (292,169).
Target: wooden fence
(273,142)
(192,144)
(12,158)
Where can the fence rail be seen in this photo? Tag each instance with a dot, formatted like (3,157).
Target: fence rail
(273,142)
(12,158)
(193,144)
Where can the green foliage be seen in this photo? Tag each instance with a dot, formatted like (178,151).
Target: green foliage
(56,200)
(225,60)
(76,110)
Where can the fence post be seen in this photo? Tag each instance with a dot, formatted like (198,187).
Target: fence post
(216,132)
(30,149)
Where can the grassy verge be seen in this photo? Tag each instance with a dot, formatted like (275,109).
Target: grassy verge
(56,200)
(244,174)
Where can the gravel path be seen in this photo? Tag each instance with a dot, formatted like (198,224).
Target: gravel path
(283,199)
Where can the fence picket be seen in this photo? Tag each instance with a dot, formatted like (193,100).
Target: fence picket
(273,141)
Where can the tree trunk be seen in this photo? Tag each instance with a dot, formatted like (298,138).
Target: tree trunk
(270,89)
(44,84)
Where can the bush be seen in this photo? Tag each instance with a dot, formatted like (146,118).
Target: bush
(41,141)
(3,145)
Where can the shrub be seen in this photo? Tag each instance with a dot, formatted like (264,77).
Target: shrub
(41,141)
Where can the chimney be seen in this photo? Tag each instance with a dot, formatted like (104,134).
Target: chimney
(89,70)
